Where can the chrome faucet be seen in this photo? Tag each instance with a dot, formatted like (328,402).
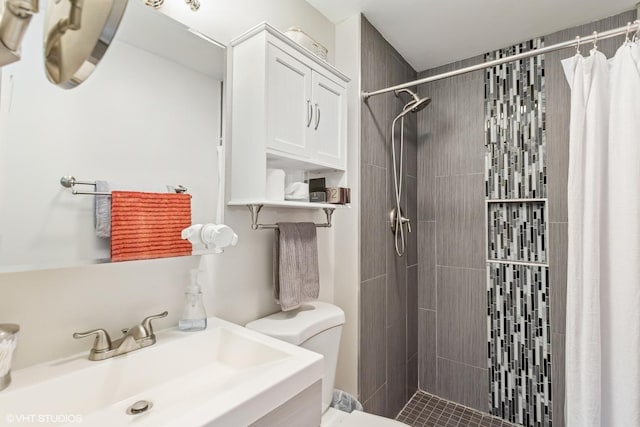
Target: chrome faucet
(135,338)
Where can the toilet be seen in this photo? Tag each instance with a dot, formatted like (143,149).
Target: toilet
(317,326)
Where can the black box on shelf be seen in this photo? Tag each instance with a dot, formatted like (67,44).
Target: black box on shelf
(317,185)
(318,197)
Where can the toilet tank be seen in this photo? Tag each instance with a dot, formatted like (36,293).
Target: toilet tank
(316,326)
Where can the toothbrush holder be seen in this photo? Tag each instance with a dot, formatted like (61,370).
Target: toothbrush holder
(8,342)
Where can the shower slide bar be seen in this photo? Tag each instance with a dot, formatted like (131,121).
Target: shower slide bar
(577,42)
(71,182)
(255,212)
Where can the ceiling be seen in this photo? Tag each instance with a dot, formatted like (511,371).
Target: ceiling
(429,33)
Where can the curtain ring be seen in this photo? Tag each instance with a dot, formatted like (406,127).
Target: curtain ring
(627,39)
(578,46)
(595,40)
(635,37)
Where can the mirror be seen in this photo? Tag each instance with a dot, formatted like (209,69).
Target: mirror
(77,35)
(149,116)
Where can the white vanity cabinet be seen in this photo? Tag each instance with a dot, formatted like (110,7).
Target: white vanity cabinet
(328,125)
(306,111)
(288,111)
(289,104)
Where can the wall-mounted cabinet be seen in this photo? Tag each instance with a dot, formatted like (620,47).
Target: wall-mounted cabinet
(289,111)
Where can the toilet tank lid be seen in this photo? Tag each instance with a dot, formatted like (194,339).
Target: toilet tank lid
(297,326)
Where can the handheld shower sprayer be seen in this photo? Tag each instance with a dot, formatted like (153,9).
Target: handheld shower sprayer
(396,216)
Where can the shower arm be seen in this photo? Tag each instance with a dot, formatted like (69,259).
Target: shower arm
(14,22)
(413,95)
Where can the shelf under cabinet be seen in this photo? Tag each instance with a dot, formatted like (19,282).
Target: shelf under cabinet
(287,204)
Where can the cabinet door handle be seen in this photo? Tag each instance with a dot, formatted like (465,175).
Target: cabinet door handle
(317,116)
(309,112)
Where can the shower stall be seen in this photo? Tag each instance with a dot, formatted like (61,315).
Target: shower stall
(474,309)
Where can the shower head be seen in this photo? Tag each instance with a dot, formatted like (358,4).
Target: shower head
(419,105)
(415,104)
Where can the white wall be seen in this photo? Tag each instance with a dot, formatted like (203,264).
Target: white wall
(227,19)
(346,292)
(52,304)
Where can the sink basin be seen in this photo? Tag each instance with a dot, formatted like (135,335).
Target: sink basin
(225,375)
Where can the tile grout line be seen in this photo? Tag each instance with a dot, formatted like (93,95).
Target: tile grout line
(462,363)
(372,279)
(374,393)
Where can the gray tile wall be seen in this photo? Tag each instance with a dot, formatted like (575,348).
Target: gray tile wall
(450,238)
(388,363)
(452,320)
(450,149)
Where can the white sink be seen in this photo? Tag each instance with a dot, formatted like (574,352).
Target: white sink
(224,376)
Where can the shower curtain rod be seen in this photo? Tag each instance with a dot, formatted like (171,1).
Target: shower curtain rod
(578,41)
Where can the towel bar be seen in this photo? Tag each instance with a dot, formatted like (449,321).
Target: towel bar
(71,182)
(255,212)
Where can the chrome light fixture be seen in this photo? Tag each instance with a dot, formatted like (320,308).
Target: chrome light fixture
(194,4)
(156,4)
(13,24)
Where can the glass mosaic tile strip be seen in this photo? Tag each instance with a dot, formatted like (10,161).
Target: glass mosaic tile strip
(517,231)
(515,125)
(519,350)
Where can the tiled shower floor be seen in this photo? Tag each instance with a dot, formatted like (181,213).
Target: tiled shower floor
(427,410)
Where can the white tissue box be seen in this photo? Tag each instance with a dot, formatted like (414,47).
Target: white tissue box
(275,184)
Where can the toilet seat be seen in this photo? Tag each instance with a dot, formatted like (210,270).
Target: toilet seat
(337,418)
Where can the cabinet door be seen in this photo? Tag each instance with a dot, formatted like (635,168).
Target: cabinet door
(328,129)
(288,103)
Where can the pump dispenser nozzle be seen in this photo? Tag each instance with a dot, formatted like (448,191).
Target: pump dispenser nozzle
(213,236)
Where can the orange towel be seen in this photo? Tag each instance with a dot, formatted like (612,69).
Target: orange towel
(148,225)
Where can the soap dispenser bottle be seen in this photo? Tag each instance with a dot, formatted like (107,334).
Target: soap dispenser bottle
(194,317)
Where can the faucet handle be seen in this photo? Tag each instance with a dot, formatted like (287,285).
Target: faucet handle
(146,323)
(102,341)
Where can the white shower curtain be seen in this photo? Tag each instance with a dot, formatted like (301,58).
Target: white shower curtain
(621,295)
(603,283)
(589,79)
